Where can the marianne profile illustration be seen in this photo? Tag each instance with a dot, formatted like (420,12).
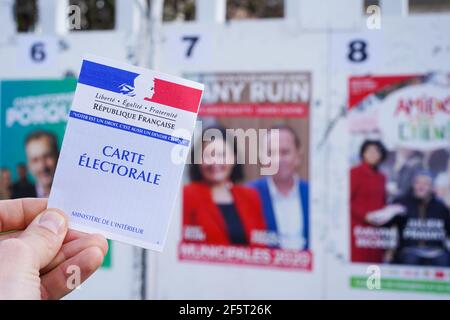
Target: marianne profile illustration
(143,89)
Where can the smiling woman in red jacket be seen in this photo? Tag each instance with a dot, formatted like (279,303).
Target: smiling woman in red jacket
(367,193)
(215,209)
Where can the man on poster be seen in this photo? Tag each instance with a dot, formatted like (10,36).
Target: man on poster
(284,195)
(41,149)
(425,226)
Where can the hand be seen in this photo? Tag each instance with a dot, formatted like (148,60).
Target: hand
(384,215)
(35,259)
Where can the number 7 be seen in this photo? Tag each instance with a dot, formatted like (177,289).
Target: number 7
(192,42)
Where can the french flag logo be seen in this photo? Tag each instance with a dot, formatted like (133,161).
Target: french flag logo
(140,87)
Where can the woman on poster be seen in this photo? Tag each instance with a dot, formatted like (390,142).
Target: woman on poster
(368,194)
(217,210)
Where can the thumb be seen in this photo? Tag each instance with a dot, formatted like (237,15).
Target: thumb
(45,235)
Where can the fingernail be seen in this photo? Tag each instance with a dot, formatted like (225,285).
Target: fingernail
(52,221)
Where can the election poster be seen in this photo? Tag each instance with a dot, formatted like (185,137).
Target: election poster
(246,197)
(33,117)
(399,173)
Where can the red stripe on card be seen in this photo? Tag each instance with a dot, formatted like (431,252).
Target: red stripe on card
(176,95)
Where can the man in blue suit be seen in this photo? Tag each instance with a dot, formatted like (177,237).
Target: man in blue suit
(284,195)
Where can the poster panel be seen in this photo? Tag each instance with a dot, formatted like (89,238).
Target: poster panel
(399,128)
(244,213)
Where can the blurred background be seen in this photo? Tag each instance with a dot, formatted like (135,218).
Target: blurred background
(359,89)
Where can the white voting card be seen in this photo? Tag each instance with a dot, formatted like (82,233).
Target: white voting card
(124,150)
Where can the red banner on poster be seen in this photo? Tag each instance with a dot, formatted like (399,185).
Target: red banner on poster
(244,255)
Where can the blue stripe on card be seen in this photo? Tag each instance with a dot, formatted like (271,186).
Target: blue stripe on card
(106,77)
(129,128)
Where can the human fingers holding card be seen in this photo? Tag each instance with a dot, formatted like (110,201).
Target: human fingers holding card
(35,259)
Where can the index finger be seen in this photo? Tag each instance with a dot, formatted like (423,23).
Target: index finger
(18,213)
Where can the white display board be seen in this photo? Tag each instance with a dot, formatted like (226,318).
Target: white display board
(411,46)
(242,47)
(333,50)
